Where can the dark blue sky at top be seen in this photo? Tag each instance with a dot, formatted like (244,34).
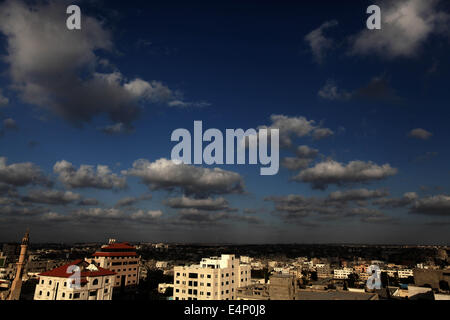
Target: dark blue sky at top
(249,60)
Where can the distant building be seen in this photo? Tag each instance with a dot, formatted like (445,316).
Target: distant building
(122,259)
(161,264)
(257,291)
(213,279)
(95,283)
(342,273)
(323,271)
(405,273)
(432,278)
(282,287)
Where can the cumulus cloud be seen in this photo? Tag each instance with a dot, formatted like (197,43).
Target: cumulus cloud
(318,42)
(438,205)
(407,199)
(98,213)
(164,174)
(420,133)
(357,194)
(405,27)
(129,201)
(290,127)
(338,205)
(22,174)
(207,204)
(55,197)
(88,176)
(333,172)
(304,156)
(56,69)
(146,215)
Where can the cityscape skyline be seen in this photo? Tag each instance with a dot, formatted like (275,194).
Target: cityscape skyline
(86,118)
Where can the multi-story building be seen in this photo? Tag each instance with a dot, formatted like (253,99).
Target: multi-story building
(323,271)
(213,279)
(405,273)
(342,273)
(122,259)
(91,283)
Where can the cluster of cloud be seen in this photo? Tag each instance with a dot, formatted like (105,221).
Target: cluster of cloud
(164,174)
(55,197)
(406,25)
(87,176)
(22,174)
(296,127)
(330,172)
(304,156)
(130,201)
(57,69)
(207,204)
(337,205)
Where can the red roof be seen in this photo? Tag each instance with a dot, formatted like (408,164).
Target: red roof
(114,254)
(124,245)
(61,272)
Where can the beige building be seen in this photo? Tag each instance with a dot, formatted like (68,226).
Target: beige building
(122,259)
(95,283)
(213,279)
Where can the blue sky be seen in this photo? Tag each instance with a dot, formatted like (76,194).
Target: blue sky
(113,92)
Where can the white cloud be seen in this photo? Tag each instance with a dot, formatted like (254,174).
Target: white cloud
(165,174)
(317,41)
(333,172)
(88,176)
(405,27)
(420,133)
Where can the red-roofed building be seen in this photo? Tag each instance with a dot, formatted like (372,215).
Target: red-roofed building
(78,280)
(122,259)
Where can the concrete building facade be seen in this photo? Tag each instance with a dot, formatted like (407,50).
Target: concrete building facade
(95,283)
(213,279)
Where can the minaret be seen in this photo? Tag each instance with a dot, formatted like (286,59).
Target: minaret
(16,286)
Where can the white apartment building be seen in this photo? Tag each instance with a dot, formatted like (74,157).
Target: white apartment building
(405,273)
(161,264)
(95,283)
(213,279)
(342,273)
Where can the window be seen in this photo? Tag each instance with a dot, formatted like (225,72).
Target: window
(48,293)
(76,295)
(95,282)
(193,275)
(105,291)
(40,293)
(42,281)
(63,295)
(93,293)
(107,281)
(209,276)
